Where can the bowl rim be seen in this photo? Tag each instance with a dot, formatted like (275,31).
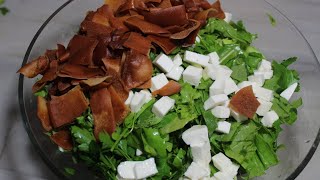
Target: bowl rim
(61,175)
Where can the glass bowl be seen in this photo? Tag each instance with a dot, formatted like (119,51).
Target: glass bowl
(279,42)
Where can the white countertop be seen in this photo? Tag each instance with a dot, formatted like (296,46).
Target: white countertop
(18,160)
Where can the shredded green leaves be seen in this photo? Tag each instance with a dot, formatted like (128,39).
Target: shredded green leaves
(272,20)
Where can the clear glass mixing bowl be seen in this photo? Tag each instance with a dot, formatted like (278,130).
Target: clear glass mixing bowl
(280,42)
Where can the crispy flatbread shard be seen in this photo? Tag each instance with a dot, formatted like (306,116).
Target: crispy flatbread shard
(35,67)
(244,102)
(112,65)
(171,16)
(81,50)
(43,113)
(220,13)
(79,72)
(136,70)
(63,139)
(102,110)
(138,43)
(64,109)
(120,110)
(135,23)
(169,89)
(193,25)
(166,44)
(49,75)
(145,85)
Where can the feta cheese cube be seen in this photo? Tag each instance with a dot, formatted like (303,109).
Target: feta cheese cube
(222,176)
(258,79)
(217,87)
(192,75)
(128,101)
(223,127)
(137,102)
(177,60)
(265,65)
(214,58)
(145,169)
(163,106)
(238,117)
(265,74)
(196,171)
(210,71)
(230,86)
(226,104)
(221,72)
(201,153)
(164,63)
(215,100)
(232,169)
(195,58)
(263,93)
(148,96)
(244,84)
(269,118)
(175,73)
(138,152)
(221,161)
(195,135)
(198,39)
(228,17)
(289,91)
(221,112)
(126,169)
(158,81)
(264,107)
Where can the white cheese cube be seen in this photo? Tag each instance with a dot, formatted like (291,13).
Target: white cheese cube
(222,176)
(215,100)
(244,84)
(138,152)
(263,93)
(177,60)
(164,63)
(163,106)
(221,72)
(289,91)
(158,81)
(198,39)
(228,17)
(238,117)
(265,74)
(258,79)
(221,161)
(175,73)
(201,153)
(128,101)
(195,58)
(221,112)
(230,86)
(210,71)
(137,102)
(196,171)
(148,95)
(265,65)
(264,107)
(192,75)
(226,104)
(197,134)
(214,58)
(269,118)
(126,169)
(145,169)
(217,87)
(231,170)
(223,127)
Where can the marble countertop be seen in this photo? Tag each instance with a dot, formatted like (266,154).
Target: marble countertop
(18,159)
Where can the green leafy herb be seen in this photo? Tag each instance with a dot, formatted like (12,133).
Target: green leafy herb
(69,171)
(272,20)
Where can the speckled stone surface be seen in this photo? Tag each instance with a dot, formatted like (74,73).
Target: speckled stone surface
(18,159)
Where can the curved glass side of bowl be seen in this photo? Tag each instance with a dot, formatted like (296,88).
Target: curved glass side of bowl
(279,42)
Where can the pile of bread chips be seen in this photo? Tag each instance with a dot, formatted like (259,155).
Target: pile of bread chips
(110,56)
